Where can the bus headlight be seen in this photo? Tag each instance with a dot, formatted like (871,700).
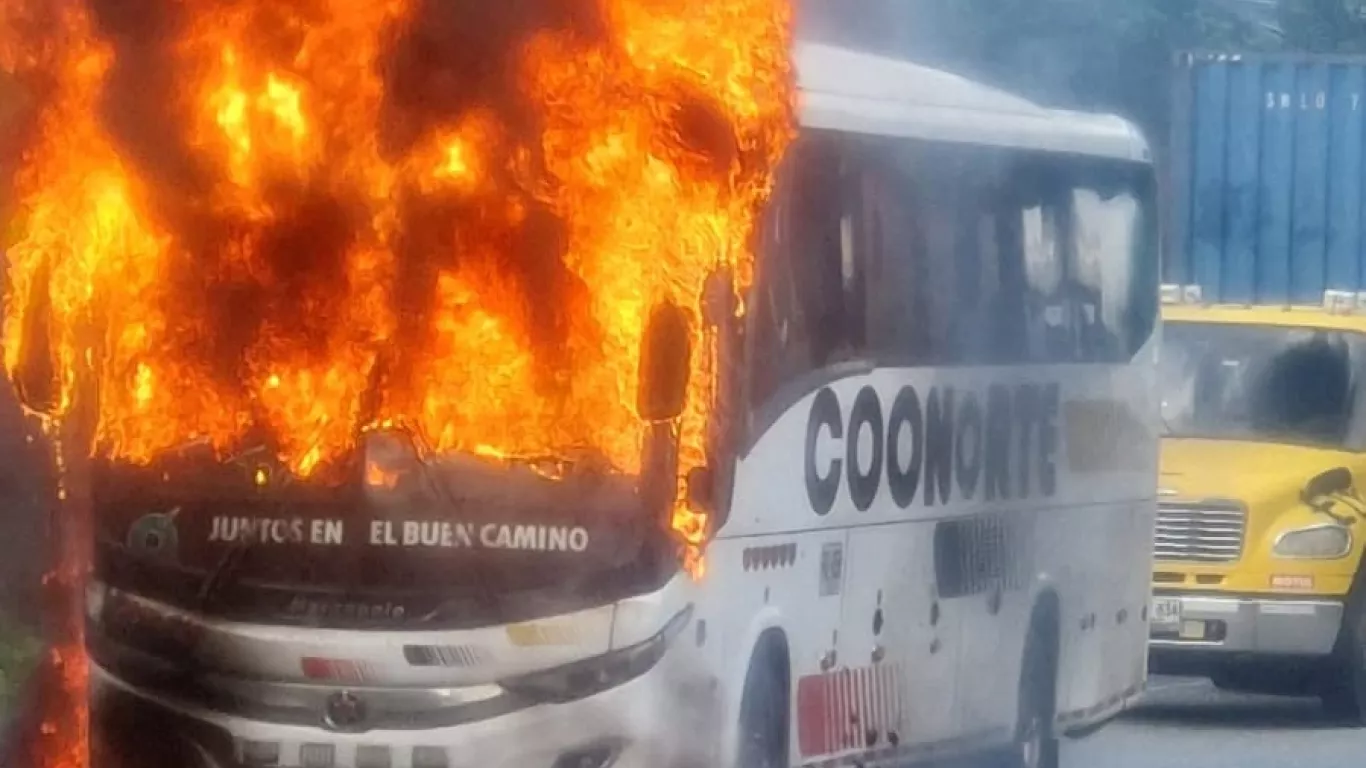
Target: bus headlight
(592,676)
(1319,542)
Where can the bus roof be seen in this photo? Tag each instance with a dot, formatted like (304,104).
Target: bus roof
(846,90)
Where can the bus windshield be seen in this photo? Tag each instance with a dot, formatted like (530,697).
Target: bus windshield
(411,539)
(1265,383)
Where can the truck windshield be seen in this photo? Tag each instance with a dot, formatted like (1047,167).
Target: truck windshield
(1266,383)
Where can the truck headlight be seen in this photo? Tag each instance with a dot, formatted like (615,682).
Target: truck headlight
(1319,542)
(591,676)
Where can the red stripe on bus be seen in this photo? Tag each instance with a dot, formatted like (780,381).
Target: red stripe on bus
(850,684)
(880,714)
(889,700)
(813,715)
(855,725)
(836,710)
(865,707)
(841,680)
(342,670)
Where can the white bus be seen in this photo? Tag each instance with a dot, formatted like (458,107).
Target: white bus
(934,529)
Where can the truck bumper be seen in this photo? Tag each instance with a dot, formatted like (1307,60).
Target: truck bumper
(1246,626)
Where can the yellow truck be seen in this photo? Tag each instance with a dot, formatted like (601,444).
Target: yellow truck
(1261,527)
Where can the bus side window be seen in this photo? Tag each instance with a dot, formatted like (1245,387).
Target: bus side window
(1092,222)
(1118,260)
(913,304)
(774,315)
(899,323)
(1105,238)
(1038,201)
(1008,309)
(809,302)
(931,254)
(1046,314)
(951,272)
(938,227)
(987,311)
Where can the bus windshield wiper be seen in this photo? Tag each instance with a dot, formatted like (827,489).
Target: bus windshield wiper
(227,566)
(223,572)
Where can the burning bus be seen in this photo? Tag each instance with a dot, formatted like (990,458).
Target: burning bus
(438,383)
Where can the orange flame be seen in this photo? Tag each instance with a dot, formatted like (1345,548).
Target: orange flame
(297,219)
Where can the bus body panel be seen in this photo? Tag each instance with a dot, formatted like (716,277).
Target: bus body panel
(910,648)
(900,584)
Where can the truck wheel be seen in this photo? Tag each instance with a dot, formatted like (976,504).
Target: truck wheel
(1344,690)
(1035,744)
(764,712)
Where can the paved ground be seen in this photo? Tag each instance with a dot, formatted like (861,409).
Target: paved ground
(1189,724)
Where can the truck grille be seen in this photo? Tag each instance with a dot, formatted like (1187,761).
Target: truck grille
(1205,532)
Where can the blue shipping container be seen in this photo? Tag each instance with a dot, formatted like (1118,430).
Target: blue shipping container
(1268,158)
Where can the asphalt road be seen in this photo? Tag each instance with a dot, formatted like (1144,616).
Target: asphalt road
(1189,724)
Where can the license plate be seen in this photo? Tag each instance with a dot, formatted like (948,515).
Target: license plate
(1166,611)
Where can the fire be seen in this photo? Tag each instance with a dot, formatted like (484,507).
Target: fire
(285,221)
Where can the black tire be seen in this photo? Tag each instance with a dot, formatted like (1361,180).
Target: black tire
(764,712)
(1344,688)
(1035,744)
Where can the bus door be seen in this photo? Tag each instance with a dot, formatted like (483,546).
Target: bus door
(792,337)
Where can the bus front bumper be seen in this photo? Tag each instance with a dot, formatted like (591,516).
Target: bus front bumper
(640,723)
(1214,626)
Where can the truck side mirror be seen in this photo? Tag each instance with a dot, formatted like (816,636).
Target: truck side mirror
(665,355)
(1337,480)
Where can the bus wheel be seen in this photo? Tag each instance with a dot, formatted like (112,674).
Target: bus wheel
(1035,744)
(764,711)
(1344,690)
